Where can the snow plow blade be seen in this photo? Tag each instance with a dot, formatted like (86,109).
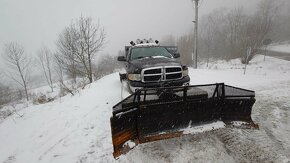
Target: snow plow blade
(161,113)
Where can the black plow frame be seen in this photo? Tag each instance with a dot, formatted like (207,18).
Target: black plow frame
(160,113)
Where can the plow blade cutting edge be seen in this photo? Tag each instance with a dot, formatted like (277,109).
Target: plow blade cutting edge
(161,113)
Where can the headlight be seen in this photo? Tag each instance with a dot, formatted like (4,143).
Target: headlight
(134,77)
(185,72)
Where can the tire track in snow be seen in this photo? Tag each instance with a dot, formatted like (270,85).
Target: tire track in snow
(272,111)
(262,145)
(249,145)
(202,147)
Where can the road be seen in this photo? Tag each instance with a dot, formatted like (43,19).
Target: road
(280,55)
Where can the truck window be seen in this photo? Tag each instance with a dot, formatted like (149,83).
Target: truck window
(143,52)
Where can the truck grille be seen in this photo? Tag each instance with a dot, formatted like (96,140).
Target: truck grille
(157,74)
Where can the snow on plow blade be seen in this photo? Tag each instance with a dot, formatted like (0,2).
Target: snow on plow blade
(162,113)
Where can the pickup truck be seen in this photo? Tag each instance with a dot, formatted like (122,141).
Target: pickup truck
(149,65)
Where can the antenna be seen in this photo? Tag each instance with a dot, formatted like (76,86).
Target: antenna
(195,33)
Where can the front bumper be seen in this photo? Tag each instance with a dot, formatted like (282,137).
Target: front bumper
(138,84)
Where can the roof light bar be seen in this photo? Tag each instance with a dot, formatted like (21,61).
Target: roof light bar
(143,41)
(132,43)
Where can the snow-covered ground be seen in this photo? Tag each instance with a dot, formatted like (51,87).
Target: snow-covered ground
(284,48)
(77,128)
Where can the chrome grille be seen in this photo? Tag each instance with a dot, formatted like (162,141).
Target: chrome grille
(157,74)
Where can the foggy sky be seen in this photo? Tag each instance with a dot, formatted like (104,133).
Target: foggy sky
(34,23)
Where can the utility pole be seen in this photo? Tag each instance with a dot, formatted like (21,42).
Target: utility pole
(195,34)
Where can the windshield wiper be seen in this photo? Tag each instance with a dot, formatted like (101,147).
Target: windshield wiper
(144,57)
(160,56)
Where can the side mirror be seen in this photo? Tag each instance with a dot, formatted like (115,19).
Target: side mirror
(176,55)
(121,58)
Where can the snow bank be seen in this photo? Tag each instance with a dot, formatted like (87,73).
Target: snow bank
(258,72)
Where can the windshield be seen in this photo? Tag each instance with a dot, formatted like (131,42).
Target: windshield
(144,52)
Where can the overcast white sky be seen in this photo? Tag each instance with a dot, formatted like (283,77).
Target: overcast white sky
(34,23)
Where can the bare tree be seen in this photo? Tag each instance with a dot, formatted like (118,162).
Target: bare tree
(77,46)
(6,93)
(264,18)
(229,33)
(3,92)
(207,35)
(65,57)
(281,25)
(260,25)
(107,64)
(213,38)
(18,63)
(45,60)
(236,26)
(58,68)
